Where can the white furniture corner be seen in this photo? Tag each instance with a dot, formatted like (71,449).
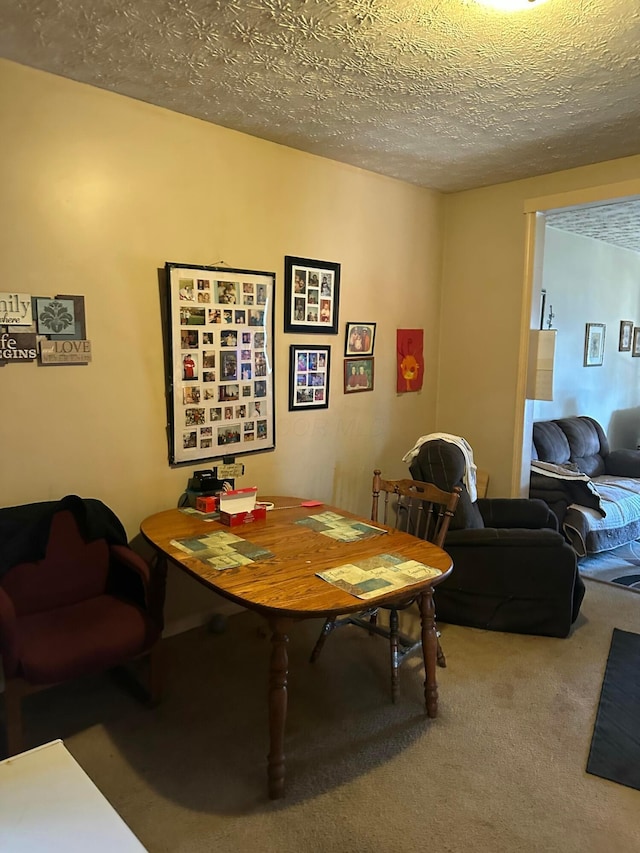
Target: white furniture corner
(48,803)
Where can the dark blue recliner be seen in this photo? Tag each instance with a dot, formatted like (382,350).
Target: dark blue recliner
(512,570)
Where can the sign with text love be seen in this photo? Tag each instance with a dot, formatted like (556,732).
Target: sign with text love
(65,352)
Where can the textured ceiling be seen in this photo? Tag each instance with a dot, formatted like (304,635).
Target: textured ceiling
(447,94)
(617,223)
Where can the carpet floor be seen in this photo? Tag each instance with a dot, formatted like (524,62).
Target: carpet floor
(501,770)
(619,566)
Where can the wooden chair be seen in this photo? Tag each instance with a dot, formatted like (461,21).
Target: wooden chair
(482,482)
(422,510)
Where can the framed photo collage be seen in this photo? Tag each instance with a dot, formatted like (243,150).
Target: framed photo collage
(221,361)
(311,305)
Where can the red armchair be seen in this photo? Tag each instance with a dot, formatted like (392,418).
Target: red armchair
(74,600)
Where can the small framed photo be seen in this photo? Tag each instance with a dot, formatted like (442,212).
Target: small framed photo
(635,351)
(626,333)
(311,296)
(594,344)
(308,377)
(358,375)
(359,339)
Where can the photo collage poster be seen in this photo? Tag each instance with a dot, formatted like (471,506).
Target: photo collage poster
(221,360)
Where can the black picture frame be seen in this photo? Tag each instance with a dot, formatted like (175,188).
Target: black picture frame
(220,361)
(311,296)
(359,339)
(594,338)
(625,336)
(358,374)
(309,373)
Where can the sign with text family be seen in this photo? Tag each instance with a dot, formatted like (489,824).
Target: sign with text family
(15,309)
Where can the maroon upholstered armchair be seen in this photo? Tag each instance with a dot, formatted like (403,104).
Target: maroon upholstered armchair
(74,600)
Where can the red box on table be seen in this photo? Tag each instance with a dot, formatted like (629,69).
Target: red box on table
(239,507)
(207,504)
(235,519)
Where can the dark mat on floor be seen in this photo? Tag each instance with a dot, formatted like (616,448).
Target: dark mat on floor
(615,747)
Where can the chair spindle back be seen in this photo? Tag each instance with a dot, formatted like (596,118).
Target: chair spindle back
(420,509)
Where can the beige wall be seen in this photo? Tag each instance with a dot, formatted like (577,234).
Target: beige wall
(98,191)
(482,316)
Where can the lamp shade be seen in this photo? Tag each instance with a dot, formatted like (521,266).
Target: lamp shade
(542,352)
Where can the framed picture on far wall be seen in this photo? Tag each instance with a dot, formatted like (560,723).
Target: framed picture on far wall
(626,333)
(358,375)
(359,339)
(635,351)
(308,377)
(220,361)
(594,344)
(311,296)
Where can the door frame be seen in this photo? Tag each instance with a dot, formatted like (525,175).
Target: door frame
(535,210)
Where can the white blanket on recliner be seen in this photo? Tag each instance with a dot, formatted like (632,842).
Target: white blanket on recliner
(469,476)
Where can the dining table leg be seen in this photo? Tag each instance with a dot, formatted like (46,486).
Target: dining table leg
(429,651)
(157,588)
(278,672)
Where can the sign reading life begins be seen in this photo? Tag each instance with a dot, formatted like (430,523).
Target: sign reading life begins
(17,347)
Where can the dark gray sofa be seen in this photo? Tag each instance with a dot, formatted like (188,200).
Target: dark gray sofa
(594,492)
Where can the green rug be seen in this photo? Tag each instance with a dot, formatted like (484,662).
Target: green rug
(620,566)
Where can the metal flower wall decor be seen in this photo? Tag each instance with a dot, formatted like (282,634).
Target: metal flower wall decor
(55,316)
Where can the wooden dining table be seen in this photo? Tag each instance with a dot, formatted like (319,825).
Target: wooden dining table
(284,587)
